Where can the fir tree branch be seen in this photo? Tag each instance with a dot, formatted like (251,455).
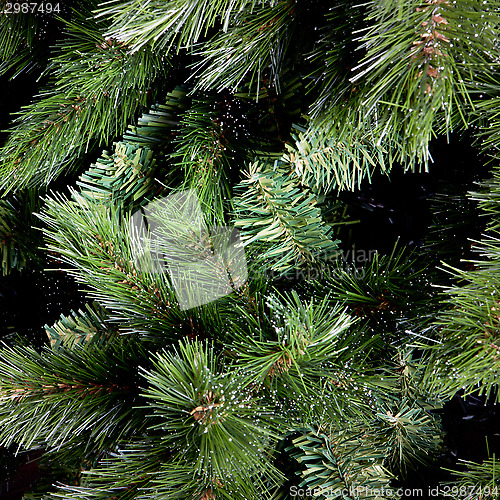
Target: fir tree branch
(467,355)
(120,179)
(96,88)
(19,243)
(161,24)
(275,211)
(252,49)
(410,434)
(81,328)
(65,398)
(210,151)
(18,50)
(155,128)
(95,241)
(325,164)
(480,480)
(345,464)
(304,338)
(418,58)
(124,474)
(391,293)
(224,431)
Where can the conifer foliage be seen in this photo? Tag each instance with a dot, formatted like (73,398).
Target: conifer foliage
(305,373)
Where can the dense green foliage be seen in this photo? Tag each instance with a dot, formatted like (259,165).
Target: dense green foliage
(310,371)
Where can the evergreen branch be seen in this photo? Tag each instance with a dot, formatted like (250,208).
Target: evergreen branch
(305,339)
(399,381)
(201,150)
(176,481)
(143,469)
(411,436)
(96,88)
(161,24)
(19,243)
(95,241)
(125,475)
(66,398)
(155,128)
(326,164)
(346,464)
(287,219)
(207,150)
(120,179)
(391,429)
(124,177)
(18,50)
(418,57)
(338,113)
(480,480)
(81,328)
(467,355)
(384,290)
(111,189)
(206,425)
(332,56)
(305,352)
(252,49)
(224,431)
(369,133)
